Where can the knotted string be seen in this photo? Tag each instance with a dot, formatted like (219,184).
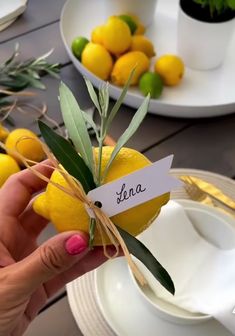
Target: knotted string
(104,224)
(23,107)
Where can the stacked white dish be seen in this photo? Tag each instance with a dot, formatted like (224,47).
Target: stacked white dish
(10,10)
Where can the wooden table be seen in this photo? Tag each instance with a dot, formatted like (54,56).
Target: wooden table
(207,144)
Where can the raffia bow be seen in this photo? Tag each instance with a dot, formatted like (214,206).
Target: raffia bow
(75,189)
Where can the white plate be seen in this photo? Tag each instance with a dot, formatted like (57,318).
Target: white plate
(9,10)
(201,93)
(122,304)
(126,314)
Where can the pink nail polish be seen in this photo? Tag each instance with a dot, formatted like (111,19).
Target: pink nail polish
(75,244)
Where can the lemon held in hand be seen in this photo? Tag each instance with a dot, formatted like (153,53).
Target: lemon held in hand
(98,60)
(151,83)
(25,142)
(78,46)
(69,214)
(170,68)
(8,167)
(126,63)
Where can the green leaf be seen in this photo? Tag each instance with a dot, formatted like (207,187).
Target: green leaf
(140,251)
(91,122)
(68,157)
(119,102)
(104,99)
(76,126)
(132,128)
(93,94)
(231,4)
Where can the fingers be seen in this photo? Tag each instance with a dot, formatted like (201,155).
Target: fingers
(19,188)
(52,258)
(5,257)
(93,259)
(32,223)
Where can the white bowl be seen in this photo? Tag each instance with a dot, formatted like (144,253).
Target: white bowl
(217,228)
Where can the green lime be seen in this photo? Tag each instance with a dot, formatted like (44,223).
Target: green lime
(78,46)
(151,83)
(130,22)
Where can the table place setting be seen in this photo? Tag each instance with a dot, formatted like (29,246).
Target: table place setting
(121,67)
(183,226)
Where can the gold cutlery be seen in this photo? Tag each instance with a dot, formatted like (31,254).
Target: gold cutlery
(211,190)
(196,193)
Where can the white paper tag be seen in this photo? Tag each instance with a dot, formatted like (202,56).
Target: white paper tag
(135,188)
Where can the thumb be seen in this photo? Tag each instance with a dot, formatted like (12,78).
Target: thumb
(53,257)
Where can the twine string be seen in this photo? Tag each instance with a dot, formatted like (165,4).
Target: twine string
(104,224)
(40,112)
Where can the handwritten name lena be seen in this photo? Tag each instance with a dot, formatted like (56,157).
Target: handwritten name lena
(125,194)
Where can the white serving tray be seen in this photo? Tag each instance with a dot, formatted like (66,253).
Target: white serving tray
(201,93)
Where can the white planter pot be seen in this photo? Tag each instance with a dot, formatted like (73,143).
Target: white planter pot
(203,45)
(143,9)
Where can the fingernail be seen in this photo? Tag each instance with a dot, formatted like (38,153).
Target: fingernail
(75,244)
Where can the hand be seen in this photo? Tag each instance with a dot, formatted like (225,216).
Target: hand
(29,274)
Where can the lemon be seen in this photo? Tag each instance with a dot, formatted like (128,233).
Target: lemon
(151,83)
(98,60)
(126,63)
(140,30)
(142,43)
(116,35)
(78,46)
(25,142)
(131,23)
(97,35)
(69,214)
(170,68)
(3,133)
(8,167)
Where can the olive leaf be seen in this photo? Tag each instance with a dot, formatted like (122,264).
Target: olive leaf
(76,126)
(91,123)
(140,251)
(132,128)
(93,95)
(119,102)
(68,157)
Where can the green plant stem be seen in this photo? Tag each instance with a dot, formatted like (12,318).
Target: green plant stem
(101,140)
(92,232)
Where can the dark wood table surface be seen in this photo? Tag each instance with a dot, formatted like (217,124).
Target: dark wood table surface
(207,144)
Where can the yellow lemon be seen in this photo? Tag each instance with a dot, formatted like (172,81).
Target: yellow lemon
(98,60)
(116,35)
(142,43)
(140,30)
(8,167)
(3,133)
(97,35)
(69,214)
(170,68)
(126,63)
(25,142)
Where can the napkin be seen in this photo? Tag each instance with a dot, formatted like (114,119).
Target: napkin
(203,274)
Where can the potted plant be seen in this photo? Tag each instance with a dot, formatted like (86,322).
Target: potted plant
(205,28)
